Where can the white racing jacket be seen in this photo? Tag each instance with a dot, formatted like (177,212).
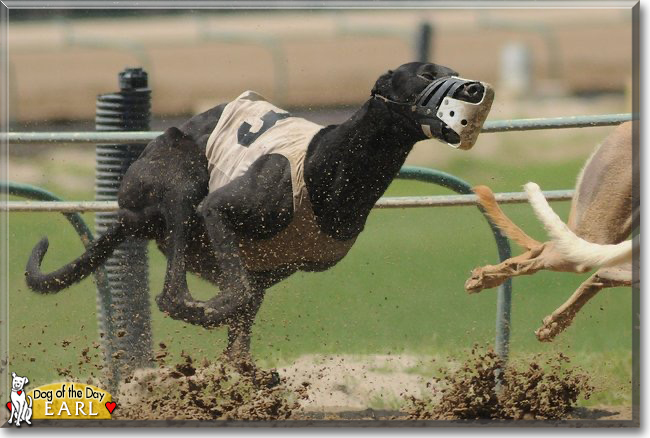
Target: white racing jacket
(249,128)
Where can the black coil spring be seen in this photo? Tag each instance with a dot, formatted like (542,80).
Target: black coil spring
(124,315)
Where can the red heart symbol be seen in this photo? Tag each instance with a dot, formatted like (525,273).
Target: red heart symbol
(9,405)
(110,406)
(20,392)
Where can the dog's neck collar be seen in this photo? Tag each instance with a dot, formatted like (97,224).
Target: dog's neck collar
(424,96)
(16,390)
(428,101)
(394,102)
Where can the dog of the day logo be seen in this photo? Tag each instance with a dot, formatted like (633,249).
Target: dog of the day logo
(20,405)
(58,401)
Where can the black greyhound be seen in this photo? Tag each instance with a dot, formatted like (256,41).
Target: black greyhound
(166,196)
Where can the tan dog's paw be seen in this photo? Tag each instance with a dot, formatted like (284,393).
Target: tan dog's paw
(474,284)
(551,327)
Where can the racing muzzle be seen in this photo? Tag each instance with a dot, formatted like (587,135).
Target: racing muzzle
(437,110)
(451,110)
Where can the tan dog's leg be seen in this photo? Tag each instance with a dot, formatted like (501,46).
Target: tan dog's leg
(563,316)
(527,263)
(490,276)
(489,204)
(603,213)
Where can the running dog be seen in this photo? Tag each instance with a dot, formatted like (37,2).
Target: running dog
(245,194)
(604,211)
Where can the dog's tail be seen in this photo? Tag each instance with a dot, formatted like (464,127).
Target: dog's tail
(573,248)
(96,253)
(30,401)
(494,212)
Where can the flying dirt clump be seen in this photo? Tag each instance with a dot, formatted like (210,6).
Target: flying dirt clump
(534,393)
(219,391)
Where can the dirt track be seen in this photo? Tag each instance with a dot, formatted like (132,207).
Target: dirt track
(344,387)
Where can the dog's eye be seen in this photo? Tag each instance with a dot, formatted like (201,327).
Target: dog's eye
(427,76)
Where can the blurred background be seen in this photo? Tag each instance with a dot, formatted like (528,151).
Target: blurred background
(400,291)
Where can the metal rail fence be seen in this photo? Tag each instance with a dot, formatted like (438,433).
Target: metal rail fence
(92,137)
(384,203)
(464,198)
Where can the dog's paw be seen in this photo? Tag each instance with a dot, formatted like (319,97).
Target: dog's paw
(474,283)
(545,334)
(550,329)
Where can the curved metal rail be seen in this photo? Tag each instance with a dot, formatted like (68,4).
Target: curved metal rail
(70,210)
(504,294)
(75,219)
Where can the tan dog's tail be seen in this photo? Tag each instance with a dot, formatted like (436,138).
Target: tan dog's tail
(494,212)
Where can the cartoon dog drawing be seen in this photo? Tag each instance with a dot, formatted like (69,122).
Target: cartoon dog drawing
(19,407)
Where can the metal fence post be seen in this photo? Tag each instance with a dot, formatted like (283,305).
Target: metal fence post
(423,38)
(124,313)
(504,295)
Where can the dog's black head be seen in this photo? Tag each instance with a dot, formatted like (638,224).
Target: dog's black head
(405,83)
(437,101)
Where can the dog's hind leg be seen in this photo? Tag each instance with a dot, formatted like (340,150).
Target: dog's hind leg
(175,290)
(490,276)
(563,316)
(544,256)
(489,203)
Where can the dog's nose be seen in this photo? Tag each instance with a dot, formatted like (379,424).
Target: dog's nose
(471,92)
(473,89)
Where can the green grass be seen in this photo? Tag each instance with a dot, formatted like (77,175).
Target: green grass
(400,290)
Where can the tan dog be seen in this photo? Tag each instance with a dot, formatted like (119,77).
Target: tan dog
(20,409)
(603,214)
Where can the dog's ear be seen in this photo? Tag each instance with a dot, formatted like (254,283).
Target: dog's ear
(13,374)
(26,381)
(178,139)
(382,85)
(174,133)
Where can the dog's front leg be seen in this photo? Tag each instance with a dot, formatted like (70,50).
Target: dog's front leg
(238,295)
(176,299)
(239,329)
(19,413)
(561,318)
